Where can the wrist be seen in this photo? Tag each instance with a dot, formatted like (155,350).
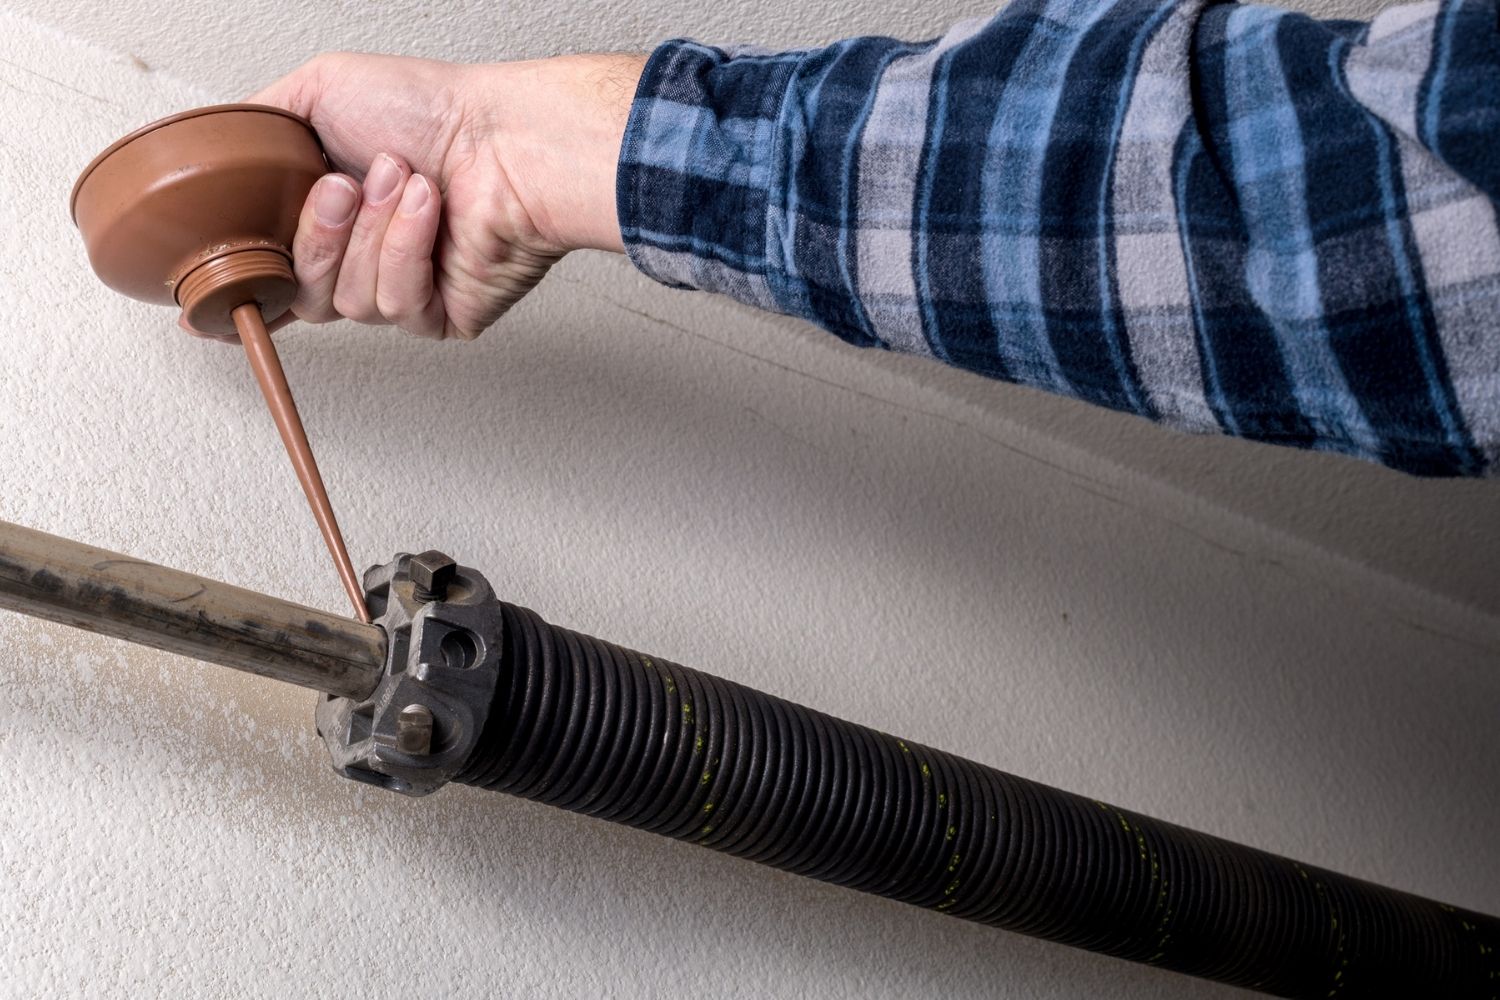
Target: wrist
(558,124)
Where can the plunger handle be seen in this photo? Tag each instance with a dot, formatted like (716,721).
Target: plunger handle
(268,372)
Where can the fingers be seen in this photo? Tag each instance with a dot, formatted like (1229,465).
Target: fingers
(354,293)
(365,252)
(404,290)
(318,249)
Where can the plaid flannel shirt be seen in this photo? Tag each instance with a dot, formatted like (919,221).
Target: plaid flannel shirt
(1227,218)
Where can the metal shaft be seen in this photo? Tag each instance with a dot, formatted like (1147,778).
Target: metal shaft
(79,585)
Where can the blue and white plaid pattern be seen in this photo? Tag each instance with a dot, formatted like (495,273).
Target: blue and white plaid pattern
(1223,217)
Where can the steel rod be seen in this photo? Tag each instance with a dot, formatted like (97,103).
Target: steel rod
(76,584)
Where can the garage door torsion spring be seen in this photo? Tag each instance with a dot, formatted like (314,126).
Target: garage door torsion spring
(597,729)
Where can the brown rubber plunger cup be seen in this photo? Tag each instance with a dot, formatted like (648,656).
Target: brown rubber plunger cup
(198,210)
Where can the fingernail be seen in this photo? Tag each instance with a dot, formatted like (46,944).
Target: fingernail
(382,179)
(334,201)
(415,196)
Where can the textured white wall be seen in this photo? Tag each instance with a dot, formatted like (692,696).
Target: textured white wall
(1296,652)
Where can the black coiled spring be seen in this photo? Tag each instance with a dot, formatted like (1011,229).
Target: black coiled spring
(588,726)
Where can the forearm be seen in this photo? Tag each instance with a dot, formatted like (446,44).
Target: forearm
(1213,217)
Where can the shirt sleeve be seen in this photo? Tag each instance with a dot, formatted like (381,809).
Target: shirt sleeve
(1227,218)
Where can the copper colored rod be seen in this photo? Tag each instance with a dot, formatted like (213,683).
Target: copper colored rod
(267,368)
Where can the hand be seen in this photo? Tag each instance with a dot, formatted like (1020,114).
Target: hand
(458,186)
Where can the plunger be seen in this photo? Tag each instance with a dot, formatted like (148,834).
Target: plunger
(198,210)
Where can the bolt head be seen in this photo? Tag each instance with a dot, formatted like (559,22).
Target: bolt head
(414,730)
(431,572)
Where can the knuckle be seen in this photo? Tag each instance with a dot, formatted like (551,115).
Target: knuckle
(392,307)
(403,256)
(349,306)
(324,63)
(314,295)
(316,276)
(315,254)
(298,90)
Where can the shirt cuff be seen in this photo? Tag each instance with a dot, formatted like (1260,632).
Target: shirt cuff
(697,167)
